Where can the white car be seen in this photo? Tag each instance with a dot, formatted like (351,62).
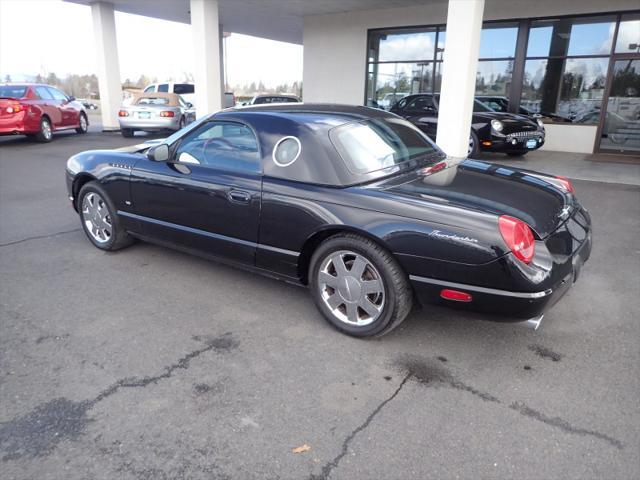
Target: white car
(186,91)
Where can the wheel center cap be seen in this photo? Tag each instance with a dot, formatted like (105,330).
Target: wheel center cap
(350,289)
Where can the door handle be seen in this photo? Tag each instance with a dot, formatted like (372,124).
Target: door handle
(239,196)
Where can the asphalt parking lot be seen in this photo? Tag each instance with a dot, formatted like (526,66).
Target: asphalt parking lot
(152,364)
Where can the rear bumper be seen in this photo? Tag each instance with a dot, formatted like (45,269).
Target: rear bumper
(18,124)
(151,125)
(503,305)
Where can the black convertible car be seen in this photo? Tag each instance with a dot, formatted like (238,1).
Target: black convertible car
(354,202)
(491,131)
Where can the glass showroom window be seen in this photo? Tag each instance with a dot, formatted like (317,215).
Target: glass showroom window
(495,65)
(566,68)
(400,63)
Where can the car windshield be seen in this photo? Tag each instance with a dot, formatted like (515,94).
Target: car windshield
(12,91)
(481,107)
(153,101)
(376,144)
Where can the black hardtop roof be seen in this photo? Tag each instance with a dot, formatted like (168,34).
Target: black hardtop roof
(344,113)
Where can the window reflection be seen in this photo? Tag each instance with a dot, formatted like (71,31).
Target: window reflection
(494,77)
(498,41)
(629,34)
(570,37)
(622,117)
(570,89)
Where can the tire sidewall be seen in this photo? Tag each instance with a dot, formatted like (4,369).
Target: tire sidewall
(95,188)
(80,129)
(476,145)
(362,248)
(41,136)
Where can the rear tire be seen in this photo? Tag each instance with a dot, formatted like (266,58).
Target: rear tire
(127,132)
(99,220)
(358,286)
(45,134)
(84,124)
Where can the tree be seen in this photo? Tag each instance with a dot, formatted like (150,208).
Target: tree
(52,79)
(7,78)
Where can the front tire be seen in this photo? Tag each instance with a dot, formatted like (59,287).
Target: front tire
(45,134)
(84,124)
(474,145)
(358,286)
(99,220)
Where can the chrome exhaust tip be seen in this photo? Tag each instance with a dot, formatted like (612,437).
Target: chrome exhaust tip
(533,323)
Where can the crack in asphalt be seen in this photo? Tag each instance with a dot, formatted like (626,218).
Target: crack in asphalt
(430,373)
(39,237)
(562,424)
(38,432)
(328,467)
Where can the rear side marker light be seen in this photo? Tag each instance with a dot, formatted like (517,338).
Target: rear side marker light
(455,295)
(566,183)
(167,114)
(123,113)
(518,237)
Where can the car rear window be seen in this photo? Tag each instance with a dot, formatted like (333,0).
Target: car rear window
(153,101)
(376,144)
(183,88)
(13,91)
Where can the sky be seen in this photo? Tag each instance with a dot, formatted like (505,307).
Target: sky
(43,36)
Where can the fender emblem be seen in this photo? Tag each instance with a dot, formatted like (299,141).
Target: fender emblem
(452,236)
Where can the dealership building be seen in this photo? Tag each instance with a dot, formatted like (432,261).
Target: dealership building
(574,62)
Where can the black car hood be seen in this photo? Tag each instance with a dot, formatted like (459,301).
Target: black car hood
(488,188)
(506,118)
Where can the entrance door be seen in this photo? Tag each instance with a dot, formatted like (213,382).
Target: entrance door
(620,125)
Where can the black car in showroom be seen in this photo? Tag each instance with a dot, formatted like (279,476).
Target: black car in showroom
(353,202)
(491,131)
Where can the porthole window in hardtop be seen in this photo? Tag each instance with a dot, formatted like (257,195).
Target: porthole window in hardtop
(286,151)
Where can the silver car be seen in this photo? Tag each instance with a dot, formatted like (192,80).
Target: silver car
(155,112)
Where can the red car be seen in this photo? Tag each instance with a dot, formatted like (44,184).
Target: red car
(39,110)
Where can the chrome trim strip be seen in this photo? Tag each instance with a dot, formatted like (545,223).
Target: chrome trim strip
(284,251)
(474,288)
(197,231)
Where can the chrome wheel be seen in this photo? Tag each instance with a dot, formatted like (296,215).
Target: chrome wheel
(46,129)
(471,145)
(351,288)
(83,123)
(96,217)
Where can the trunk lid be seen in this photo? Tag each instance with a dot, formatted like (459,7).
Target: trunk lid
(488,188)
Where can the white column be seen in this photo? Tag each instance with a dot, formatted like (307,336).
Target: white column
(104,29)
(464,22)
(207,70)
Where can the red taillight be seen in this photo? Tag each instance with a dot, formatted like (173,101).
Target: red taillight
(566,183)
(455,295)
(518,237)
(167,113)
(123,113)
(16,107)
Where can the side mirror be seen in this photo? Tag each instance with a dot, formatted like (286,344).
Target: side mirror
(72,98)
(189,105)
(159,153)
